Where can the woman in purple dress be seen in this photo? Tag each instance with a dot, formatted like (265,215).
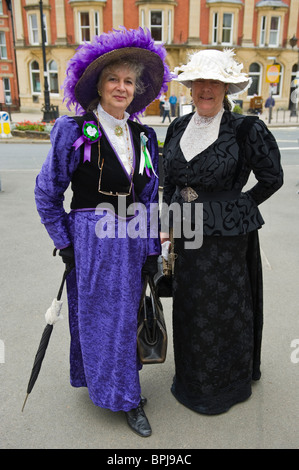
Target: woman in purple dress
(111,162)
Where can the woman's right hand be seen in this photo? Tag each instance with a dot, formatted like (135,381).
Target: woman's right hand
(68,257)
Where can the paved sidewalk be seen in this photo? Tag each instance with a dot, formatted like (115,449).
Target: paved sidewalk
(59,416)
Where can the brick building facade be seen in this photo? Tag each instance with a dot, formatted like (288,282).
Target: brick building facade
(258,30)
(9,90)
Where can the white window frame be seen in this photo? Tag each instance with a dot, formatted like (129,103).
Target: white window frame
(215,28)
(260,75)
(83,28)
(275,32)
(155,26)
(7,90)
(142,19)
(52,72)
(97,28)
(33,30)
(230,29)
(263,31)
(31,72)
(45,28)
(280,83)
(169,27)
(3,48)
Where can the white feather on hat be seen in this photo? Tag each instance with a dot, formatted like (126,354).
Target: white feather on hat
(211,64)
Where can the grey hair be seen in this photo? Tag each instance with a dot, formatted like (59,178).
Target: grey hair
(227,104)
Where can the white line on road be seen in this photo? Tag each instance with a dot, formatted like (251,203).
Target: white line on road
(288,148)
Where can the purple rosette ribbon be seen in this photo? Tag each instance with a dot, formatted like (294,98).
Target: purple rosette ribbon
(90,135)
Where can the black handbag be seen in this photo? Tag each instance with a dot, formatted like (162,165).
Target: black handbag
(151,331)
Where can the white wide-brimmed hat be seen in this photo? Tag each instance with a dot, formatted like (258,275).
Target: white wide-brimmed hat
(211,64)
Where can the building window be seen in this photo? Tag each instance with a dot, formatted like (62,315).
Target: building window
(274,31)
(215,28)
(97,23)
(53,77)
(169,27)
(263,31)
(277,87)
(255,75)
(1,8)
(84,27)
(293,94)
(45,29)
(222,28)
(3,50)
(35,77)
(156,25)
(7,93)
(227,28)
(142,19)
(33,29)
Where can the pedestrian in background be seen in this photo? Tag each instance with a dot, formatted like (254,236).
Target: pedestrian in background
(166,110)
(161,103)
(173,101)
(270,102)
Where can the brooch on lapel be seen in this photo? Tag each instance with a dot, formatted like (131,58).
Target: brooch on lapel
(145,158)
(90,135)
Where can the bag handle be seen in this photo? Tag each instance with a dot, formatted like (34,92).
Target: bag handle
(142,298)
(153,293)
(148,281)
(151,332)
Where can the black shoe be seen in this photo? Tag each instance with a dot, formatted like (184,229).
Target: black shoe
(143,400)
(138,421)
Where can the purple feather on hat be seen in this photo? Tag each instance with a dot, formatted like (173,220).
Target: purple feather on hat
(106,42)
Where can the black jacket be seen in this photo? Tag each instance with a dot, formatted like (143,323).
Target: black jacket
(212,173)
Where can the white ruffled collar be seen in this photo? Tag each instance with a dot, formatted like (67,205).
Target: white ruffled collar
(200,133)
(203,121)
(111,121)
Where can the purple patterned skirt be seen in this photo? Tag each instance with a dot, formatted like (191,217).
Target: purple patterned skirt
(103,297)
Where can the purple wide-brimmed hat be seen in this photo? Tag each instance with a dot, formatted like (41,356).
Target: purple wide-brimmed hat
(84,69)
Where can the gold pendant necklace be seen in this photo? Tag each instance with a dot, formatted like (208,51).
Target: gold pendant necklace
(118,131)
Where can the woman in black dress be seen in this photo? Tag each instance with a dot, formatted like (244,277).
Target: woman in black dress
(217,288)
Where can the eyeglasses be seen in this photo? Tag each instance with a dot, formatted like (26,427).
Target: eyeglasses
(111,193)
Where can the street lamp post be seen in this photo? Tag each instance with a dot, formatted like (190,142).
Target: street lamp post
(293,42)
(47,114)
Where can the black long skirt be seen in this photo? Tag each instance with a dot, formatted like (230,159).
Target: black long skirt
(217,322)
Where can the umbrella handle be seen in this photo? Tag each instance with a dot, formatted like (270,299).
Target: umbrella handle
(66,272)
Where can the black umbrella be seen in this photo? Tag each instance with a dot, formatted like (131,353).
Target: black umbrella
(44,341)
